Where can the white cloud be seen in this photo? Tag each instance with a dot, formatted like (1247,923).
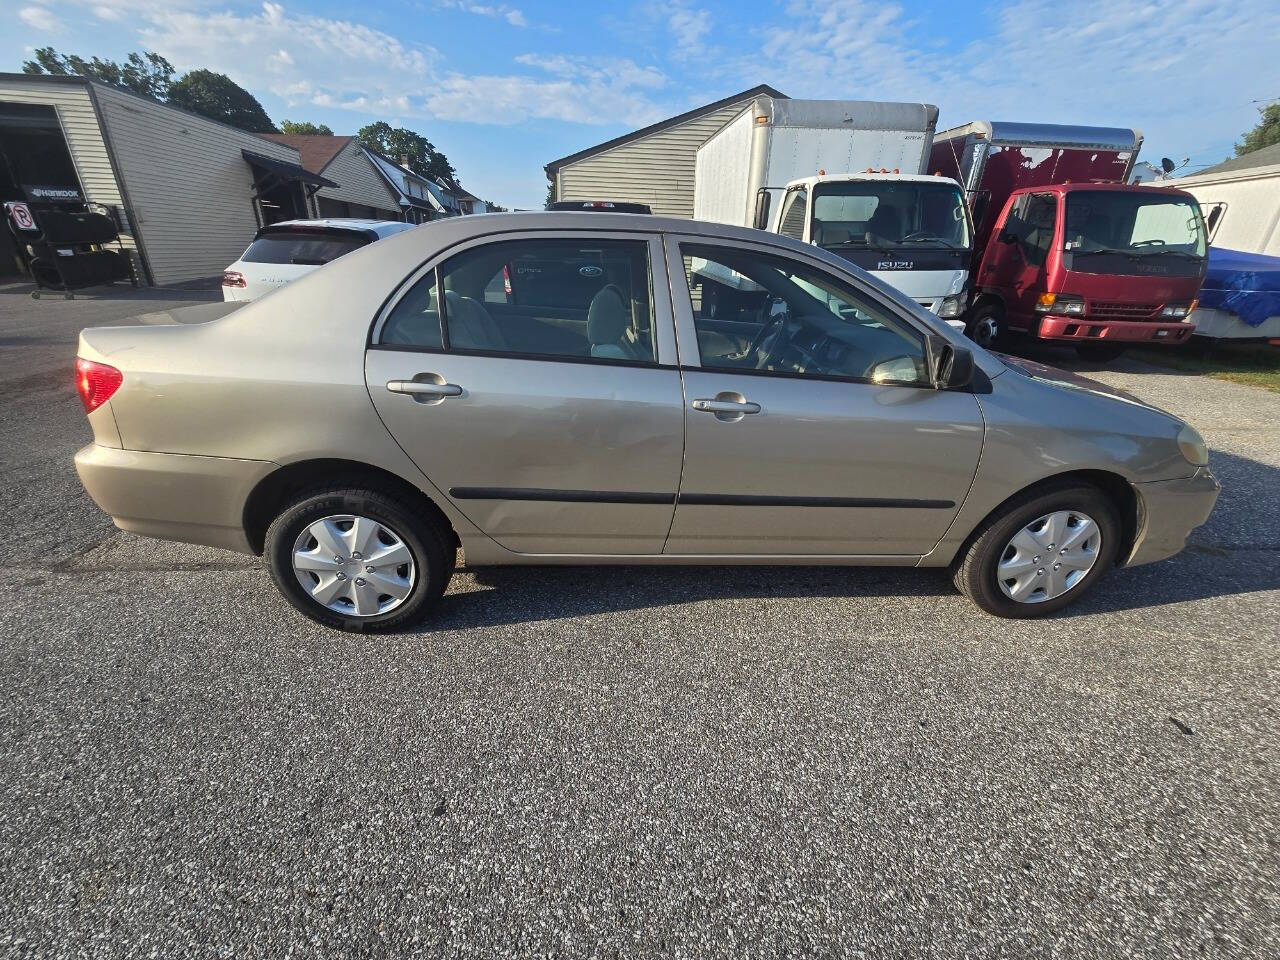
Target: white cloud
(500,11)
(1184,73)
(687,25)
(39,18)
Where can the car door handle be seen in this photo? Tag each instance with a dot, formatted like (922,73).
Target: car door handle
(419,388)
(726,406)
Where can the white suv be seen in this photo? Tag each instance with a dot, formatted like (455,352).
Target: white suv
(282,252)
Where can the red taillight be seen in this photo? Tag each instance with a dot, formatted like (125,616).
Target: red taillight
(233,279)
(96,382)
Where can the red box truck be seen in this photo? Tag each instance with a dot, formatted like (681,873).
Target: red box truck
(1064,248)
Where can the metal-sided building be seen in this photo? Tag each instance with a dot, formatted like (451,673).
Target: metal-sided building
(187,192)
(1240,199)
(653,165)
(359,190)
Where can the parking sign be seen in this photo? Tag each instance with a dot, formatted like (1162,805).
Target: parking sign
(21,216)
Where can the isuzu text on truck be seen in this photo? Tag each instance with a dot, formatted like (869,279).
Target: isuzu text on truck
(768,168)
(1064,248)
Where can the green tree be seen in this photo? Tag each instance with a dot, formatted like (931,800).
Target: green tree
(218,97)
(146,73)
(551,192)
(1264,134)
(395,143)
(495,207)
(304,127)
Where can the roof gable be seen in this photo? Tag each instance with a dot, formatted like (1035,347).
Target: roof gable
(763,90)
(1262,157)
(317,150)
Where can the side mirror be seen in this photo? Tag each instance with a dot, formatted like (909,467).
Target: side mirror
(950,366)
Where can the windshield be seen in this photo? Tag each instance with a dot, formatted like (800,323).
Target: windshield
(890,213)
(1133,223)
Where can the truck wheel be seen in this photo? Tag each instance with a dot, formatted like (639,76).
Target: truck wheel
(986,326)
(1100,352)
(1043,551)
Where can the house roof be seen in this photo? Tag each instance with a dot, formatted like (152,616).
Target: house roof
(392,173)
(1263,157)
(763,90)
(316,149)
(76,80)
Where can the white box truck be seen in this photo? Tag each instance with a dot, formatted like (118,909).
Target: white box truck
(848,176)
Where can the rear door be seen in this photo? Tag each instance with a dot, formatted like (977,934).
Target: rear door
(816,433)
(553,421)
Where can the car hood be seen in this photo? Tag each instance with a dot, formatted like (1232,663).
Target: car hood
(1067,380)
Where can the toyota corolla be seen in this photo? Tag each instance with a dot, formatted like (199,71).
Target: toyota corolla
(567,388)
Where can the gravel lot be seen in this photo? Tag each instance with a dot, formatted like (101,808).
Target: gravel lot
(628,762)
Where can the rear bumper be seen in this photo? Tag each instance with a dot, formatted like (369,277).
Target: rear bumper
(1170,510)
(173,496)
(1114,331)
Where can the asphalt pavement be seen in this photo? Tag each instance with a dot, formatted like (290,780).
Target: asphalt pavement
(622,762)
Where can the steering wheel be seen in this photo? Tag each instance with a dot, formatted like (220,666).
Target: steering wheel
(774,320)
(921,234)
(1148,243)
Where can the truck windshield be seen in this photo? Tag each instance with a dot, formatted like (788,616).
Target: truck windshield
(887,213)
(1133,224)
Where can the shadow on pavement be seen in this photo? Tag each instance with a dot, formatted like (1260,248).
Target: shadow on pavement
(197,292)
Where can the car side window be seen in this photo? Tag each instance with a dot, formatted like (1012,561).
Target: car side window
(792,223)
(1039,220)
(581,299)
(771,314)
(415,321)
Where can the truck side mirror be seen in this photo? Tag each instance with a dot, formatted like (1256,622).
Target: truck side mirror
(950,366)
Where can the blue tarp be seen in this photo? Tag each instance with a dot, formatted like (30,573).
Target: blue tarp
(1246,284)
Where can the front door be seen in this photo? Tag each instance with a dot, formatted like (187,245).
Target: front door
(1014,265)
(811,428)
(540,408)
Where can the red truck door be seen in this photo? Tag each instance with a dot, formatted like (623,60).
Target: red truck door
(1013,267)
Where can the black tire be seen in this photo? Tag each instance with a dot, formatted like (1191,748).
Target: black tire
(986,326)
(1100,352)
(432,547)
(975,570)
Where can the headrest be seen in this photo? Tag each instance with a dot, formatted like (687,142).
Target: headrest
(608,316)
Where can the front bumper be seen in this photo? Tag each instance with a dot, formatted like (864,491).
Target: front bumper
(1114,331)
(1169,511)
(173,496)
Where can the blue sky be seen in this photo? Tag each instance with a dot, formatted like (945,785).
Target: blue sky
(504,87)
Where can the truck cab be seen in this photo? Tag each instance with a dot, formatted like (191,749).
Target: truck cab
(911,231)
(1098,265)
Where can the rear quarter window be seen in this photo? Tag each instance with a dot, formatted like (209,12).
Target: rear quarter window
(302,247)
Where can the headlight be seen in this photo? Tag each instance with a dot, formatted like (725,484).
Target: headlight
(1060,303)
(1192,446)
(951,306)
(1176,311)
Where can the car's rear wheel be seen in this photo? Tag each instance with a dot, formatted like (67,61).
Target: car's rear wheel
(359,559)
(1100,352)
(1043,551)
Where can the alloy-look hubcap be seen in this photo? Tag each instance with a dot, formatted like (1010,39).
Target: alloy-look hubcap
(1049,556)
(353,565)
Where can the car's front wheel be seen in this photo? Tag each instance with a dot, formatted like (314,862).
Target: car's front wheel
(358,559)
(1043,551)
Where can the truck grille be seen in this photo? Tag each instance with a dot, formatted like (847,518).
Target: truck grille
(1124,311)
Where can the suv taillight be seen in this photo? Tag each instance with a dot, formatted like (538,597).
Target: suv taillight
(96,382)
(233,279)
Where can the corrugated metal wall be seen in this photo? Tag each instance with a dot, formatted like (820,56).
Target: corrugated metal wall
(657,170)
(189,185)
(84,138)
(358,182)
